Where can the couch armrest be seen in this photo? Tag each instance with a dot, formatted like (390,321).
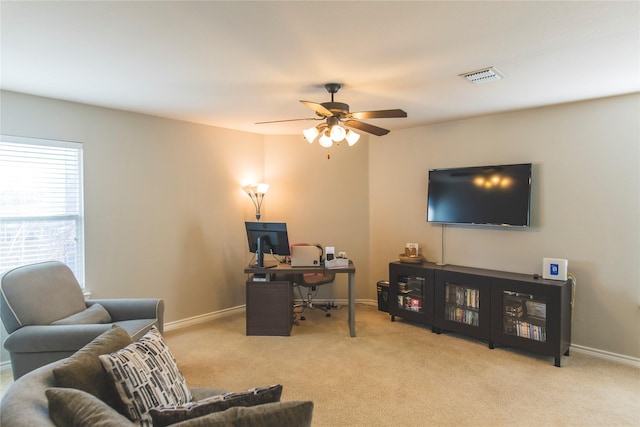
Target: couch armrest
(52,338)
(133,308)
(24,404)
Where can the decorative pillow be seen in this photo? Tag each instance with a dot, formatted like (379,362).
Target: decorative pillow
(256,396)
(279,414)
(146,376)
(70,407)
(83,370)
(92,315)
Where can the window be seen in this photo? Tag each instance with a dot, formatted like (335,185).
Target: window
(41,206)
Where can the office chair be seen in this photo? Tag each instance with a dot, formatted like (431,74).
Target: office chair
(311,281)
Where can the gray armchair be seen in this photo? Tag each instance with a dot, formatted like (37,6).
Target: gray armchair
(44,311)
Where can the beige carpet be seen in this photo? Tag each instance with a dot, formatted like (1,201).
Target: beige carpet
(400,374)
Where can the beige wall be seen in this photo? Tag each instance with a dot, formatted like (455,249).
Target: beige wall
(585,204)
(164,210)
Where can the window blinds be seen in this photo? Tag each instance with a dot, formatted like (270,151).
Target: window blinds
(41,207)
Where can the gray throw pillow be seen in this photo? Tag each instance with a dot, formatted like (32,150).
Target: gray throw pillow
(256,396)
(279,414)
(92,315)
(83,370)
(146,376)
(69,407)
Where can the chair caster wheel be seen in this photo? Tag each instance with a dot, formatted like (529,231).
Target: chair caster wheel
(328,314)
(303,318)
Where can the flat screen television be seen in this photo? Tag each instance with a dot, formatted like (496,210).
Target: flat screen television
(480,195)
(265,238)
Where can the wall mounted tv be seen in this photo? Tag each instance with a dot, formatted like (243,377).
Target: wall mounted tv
(480,195)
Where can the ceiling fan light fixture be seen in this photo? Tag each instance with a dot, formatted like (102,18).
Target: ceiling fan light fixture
(325,140)
(311,134)
(337,133)
(351,137)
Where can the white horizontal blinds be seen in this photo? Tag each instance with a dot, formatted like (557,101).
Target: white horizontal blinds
(41,208)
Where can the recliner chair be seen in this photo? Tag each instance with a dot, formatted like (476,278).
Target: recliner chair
(44,311)
(311,281)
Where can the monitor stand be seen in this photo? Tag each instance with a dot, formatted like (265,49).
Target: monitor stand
(270,265)
(260,254)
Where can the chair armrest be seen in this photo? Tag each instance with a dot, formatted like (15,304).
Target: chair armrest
(52,338)
(133,308)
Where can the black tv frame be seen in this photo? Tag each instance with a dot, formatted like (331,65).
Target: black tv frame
(467,205)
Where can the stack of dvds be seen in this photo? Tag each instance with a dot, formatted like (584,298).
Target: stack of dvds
(513,307)
(462,296)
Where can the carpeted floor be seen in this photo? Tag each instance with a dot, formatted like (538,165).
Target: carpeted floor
(400,374)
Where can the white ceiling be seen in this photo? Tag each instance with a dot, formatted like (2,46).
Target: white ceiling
(231,64)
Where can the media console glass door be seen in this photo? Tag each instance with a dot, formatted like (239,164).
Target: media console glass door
(534,317)
(462,303)
(411,293)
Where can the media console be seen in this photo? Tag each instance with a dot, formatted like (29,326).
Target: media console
(510,309)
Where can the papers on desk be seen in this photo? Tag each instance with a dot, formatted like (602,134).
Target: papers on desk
(337,263)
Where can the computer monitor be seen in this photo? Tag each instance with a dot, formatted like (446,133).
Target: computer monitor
(267,237)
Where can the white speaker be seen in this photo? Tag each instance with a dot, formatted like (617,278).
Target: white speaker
(330,253)
(554,268)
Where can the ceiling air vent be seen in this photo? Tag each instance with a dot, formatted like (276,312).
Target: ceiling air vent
(485,75)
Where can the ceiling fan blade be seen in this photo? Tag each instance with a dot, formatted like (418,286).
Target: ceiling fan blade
(375,130)
(379,114)
(318,108)
(287,120)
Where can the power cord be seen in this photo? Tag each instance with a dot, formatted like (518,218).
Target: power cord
(573,291)
(281,260)
(442,245)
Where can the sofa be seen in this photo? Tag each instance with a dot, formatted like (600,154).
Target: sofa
(46,396)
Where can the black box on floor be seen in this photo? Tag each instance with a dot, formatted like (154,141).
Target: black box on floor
(383,295)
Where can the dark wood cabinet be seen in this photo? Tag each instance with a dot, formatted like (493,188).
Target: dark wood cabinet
(533,315)
(411,293)
(269,308)
(502,308)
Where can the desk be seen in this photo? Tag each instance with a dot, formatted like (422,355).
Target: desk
(286,269)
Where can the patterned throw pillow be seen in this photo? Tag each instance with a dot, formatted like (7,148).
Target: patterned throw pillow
(146,376)
(256,396)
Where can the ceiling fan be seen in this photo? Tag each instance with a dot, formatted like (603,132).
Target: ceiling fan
(335,115)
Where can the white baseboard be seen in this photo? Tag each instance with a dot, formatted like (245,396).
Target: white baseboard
(203,318)
(607,355)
